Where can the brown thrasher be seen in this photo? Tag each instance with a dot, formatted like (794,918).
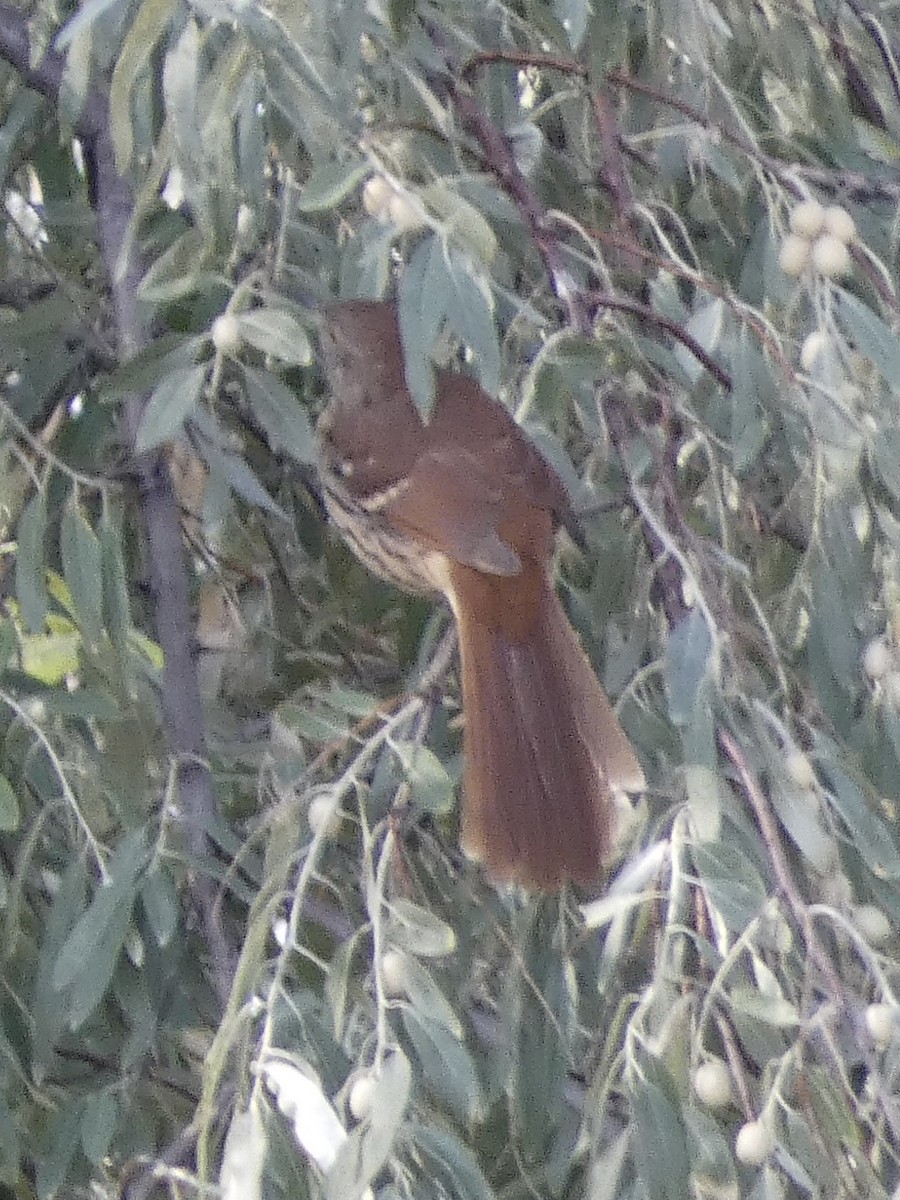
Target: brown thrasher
(465,506)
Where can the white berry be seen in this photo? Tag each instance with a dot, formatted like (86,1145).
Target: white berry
(872,923)
(712,1083)
(880,1021)
(831,257)
(839,223)
(754,1143)
(800,770)
(815,344)
(322,815)
(361,1094)
(376,194)
(226,334)
(794,255)
(807,219)
(402,213)
(246,223)
(393,974)
(877,658)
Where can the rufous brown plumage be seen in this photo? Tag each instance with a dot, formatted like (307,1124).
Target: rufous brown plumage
(465,506)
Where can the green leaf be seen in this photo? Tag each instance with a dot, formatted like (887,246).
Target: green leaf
(10,1147)
(328,185)
(116,601)
(705,326)
(421,308)
(871,836)
(111,900)
(10,816)
(369,1147)
(144,371)
(82,566)
(733,885)
(49,1012)
(470,314)
(83,19)
(277,332)
(98,1126)
(686,663)
(56,1153)
(432,787)
(18,115)
(712,1163)
(239,476)
(542,983)
(340,981)
(180,85)
(400,15)
(419,931)
(52,657)
(75,83)
(446,1064)
(31,585)
(464,226)
(701,777)
(179,271)
(85,703)
(800,813)
(427,998)
(281,415)
(172,401)
(753,393)
(244,1154)
(450,1163)
(658,1142)
(773,1010)
(872,337)
(160,901)
(149,24)
(884,454)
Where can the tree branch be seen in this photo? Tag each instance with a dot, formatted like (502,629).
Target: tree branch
(181,702)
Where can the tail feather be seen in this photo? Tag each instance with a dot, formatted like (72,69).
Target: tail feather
(543,749)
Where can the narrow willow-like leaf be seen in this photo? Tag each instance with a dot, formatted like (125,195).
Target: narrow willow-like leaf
(446,1065)
(277,332)
(420,311)
(31,585)
(98,1126)
(369,1147)
(686,663)
(329,184)
(109,901)
(59,1146)
(116,601)
(451,1162)
(10,815)
(150,23)
(170,405)
(281,415)
(83,570)
(658,1142)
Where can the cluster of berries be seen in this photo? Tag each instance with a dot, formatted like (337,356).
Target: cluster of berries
(819,237)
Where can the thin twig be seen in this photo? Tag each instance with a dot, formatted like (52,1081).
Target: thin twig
(67,792)
(772,840)
(181,701)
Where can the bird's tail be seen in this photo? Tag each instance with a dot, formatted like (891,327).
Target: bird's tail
(543,747)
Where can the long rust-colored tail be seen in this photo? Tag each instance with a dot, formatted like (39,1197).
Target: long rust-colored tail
(543,747)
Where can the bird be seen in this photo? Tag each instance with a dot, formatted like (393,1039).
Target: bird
(464,506)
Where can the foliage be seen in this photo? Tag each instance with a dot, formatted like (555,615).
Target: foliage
(241,947)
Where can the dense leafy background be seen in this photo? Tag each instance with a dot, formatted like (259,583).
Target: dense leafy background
(593,199)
